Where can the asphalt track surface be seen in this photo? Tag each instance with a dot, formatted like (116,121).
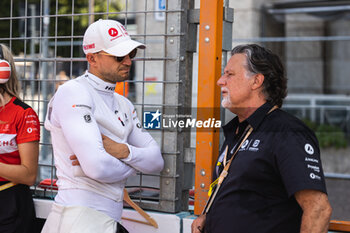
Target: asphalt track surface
(339,197)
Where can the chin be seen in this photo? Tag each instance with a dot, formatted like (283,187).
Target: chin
(122,78)
(225,103)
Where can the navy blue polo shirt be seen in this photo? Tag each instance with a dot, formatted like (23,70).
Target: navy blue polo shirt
(280,157)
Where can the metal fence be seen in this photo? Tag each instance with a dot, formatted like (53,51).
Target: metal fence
(46,38)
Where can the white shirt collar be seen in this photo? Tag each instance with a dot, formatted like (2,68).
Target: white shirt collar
(99,84)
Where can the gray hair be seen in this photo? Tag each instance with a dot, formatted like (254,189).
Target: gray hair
(262,61)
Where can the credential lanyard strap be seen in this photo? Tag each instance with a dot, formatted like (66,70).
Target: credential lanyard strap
(224,172)
(6,186)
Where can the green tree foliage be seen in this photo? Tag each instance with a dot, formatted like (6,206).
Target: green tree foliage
(82,7)
(64,24)
(328,135)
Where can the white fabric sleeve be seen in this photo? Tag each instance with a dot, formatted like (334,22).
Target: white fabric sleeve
(145,154)
(83,135)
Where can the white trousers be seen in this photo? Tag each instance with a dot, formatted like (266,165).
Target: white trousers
(78,219)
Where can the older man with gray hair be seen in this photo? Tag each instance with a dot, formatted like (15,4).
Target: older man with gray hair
(269,175)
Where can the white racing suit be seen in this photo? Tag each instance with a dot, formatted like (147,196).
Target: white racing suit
(79,112)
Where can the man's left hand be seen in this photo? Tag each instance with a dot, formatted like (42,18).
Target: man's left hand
(117,150)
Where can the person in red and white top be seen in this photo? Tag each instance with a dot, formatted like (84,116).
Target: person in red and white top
(19,150)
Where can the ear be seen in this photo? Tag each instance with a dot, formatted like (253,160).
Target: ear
(91,59)
(258,81)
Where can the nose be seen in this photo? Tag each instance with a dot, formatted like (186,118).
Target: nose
(127,60)
(221,81)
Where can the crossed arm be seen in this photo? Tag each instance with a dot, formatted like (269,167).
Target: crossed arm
(84,138)
(117,150)
(145,158)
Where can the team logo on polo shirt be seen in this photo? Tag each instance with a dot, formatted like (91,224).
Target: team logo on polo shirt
(245,144)
(250,145)
(309,149)
(314,176)
(256,143)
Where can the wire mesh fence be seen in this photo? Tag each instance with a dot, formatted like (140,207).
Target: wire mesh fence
(46,39)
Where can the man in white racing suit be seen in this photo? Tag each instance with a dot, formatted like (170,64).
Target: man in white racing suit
(85,113)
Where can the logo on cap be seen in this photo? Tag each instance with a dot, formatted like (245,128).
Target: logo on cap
(125,32)
(113,32)
(89,46)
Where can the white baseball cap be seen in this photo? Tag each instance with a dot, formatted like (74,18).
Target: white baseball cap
(109,36)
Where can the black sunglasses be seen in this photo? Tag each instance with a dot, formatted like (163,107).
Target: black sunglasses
(132,54)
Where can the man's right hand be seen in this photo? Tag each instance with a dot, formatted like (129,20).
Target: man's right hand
(198,224)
